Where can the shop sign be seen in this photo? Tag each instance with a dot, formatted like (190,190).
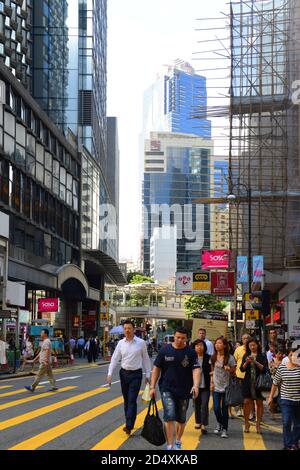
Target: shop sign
(48,305)
(222,283)
(215,259)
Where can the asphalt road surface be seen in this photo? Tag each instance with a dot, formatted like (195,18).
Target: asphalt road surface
(85,414)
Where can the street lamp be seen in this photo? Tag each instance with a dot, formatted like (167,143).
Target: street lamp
(232,198)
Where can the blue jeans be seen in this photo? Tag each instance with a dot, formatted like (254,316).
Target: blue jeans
(221,409)
(130,384)
(291,422)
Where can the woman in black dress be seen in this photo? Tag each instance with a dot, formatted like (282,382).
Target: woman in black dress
(253,364)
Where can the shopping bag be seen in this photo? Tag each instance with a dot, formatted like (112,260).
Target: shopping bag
(146,395)
(153,430)
(234,393)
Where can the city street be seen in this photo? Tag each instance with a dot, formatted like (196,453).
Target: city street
(85,415)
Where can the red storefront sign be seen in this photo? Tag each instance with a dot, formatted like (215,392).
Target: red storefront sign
(222,284)
(76,321)
(48,305)
(215,259)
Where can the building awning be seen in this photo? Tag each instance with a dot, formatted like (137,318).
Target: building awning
(110,266)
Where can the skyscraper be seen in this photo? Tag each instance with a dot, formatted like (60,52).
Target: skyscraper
(171,103)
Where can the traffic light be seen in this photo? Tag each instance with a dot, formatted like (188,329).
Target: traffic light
(262,301)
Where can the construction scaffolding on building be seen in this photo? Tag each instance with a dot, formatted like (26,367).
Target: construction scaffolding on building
(257,55)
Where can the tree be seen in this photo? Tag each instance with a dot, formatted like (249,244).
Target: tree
(195,303)
(138,278)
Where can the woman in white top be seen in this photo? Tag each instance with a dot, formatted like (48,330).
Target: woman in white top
(28,351)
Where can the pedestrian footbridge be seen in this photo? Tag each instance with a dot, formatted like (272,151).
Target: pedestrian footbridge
(147,312)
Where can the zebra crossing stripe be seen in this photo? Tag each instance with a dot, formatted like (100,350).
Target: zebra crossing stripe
(47,409)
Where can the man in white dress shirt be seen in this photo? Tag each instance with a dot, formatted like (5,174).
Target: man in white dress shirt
(132,352)
(209,344)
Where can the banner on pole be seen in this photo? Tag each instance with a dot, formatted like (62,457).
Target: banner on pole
(258,268)
(242,269)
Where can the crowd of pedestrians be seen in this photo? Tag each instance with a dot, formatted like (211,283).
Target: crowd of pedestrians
(204,369)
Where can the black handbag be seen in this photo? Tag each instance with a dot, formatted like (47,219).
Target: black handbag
(264,382)
(153,430)
(234,393)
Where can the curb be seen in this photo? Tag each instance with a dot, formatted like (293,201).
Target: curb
(57,370)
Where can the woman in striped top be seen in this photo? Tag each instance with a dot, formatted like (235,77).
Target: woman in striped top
(288,378)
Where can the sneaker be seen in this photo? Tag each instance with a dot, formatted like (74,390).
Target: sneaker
(177,445)
(224,433)
(53,389)
(239,413)
(169,447)
(30,389)
(218,429)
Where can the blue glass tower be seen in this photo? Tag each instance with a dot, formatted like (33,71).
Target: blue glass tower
(172,103)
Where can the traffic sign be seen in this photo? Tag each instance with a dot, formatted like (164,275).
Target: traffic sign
(250,324)
(252,314)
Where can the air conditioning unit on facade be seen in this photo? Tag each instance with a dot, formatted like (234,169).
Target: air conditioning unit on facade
(292,262)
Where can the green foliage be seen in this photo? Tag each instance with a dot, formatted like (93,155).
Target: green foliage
(173,324)
(195,303)
(138,278)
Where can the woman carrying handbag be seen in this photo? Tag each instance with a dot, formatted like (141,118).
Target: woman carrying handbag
(253,364)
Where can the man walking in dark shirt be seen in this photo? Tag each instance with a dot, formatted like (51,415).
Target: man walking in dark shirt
(179,372)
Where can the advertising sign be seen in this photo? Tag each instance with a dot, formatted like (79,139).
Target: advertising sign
(76,321)
(252,315)
(258,268)
(201,283)
(242,269)
(48,305)
(184,283)
(194,283)
(222,284)
(215,259)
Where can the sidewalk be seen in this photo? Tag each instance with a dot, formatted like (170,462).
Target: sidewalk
(77,365)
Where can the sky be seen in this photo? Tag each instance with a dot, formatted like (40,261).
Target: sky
(143,35)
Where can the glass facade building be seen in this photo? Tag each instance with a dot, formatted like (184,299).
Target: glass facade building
(173,101)
(177,171)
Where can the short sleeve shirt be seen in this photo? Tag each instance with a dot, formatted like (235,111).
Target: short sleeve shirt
(46,345)
(222,376)
(177,367)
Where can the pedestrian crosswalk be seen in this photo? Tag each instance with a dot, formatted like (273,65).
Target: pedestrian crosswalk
(77,410)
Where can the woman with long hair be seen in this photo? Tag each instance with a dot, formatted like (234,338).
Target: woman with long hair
(223,365)
(253,364)
(201,402)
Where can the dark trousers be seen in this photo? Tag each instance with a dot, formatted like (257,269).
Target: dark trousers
(221,409)
(80,349)
(92,355)
(130,384)
(291,422)
(201,407)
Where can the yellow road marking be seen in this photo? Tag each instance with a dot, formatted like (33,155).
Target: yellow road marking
(47,409)
(253,441)
(5,386)
(15,392)
(266,426)
(191,436)
(33,398)
(117,438)
(52,433)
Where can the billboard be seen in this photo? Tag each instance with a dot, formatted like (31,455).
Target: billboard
(48,305)
(194,283)
(222,284)
(215,259)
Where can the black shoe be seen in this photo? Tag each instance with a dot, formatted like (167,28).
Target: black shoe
(53,389)
(127,430)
